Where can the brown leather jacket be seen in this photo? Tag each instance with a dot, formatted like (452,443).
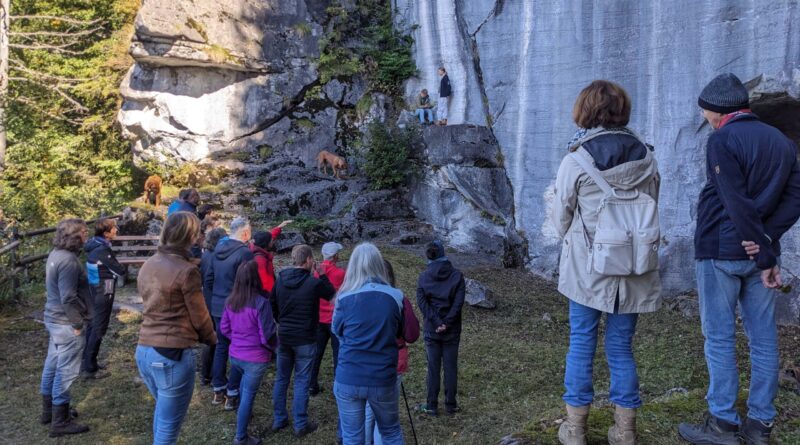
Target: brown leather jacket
(175,313)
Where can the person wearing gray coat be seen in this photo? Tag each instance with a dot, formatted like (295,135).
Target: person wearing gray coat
(628,165)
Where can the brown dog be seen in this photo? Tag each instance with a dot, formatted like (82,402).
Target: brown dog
(152,190)
(337,163)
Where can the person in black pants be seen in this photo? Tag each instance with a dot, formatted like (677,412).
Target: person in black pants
(209,243)
(103,269)
(440,296)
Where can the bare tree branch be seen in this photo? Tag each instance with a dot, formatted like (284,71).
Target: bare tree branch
(32,104)
(19,66)
(76,106)
(68,34)
(61,49)
(59,18)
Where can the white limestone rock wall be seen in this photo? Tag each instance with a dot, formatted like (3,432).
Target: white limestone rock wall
(518,66)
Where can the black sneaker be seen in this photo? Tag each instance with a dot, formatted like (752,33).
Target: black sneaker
(755,432)
(712,431)
(424,409)
(279,426)
(308,429)
(452,411)
(97,375)
(231,403)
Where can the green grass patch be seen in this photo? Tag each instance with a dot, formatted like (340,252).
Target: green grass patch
(197,26)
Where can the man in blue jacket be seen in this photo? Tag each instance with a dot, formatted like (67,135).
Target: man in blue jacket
(440,296)
(751,198)
(231,251)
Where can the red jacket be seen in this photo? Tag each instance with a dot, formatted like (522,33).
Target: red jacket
(410,335)
(264,260)
(336,276)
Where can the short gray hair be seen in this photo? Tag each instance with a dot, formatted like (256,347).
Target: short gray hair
(238,224)
(366,263)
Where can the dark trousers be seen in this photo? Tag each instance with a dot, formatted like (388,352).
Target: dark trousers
(102,302)
(219,368)
(323,334)
(442,352)
(207,359)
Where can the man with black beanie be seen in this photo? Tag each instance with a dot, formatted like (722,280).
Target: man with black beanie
(440,296)
(751,198)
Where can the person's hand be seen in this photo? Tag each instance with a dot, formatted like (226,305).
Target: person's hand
(285,223)
(318,267)
(771,278)
(441,329)
(751,248)
(77,332)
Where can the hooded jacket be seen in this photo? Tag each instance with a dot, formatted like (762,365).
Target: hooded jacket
(336,276)
(228,255)
(98,252)
(627,164)
(180,205)
(440,296)
(295,305)
(251,331)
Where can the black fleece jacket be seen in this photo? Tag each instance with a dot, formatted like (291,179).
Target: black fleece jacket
(440,296)
(295,305)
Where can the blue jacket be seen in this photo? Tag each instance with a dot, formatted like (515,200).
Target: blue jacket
(752,191)
(440,297)
(228,255)
(367,323)
(180,205)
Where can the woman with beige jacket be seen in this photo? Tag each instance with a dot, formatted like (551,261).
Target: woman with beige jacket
(625,165)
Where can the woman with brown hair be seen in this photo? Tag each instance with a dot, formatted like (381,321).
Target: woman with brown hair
(66,315)
(608,168)
(175,318)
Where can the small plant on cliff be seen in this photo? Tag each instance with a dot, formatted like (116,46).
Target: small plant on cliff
(387,163)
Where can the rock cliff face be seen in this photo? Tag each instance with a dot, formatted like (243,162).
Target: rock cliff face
(518,66)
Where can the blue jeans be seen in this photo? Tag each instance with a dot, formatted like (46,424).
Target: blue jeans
(63,362)
(583,329)
(171,384)
(251,373)
(301,359)
(721,285)
(352,400)
(422,112)
(372,435)
(219,376)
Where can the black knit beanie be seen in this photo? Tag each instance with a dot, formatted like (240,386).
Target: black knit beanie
(262,239)
(724,94)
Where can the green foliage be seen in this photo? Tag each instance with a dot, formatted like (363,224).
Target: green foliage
(197,26)
(65,159)
(264,151)
(363,105)
(305,123)
(302,29)
(366,42)
(386,163)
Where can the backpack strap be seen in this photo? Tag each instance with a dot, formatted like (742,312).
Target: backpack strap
(593,172)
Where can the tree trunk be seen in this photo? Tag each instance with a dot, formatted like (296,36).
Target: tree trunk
(5,13)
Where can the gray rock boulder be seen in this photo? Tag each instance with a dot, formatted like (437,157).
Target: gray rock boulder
(478,295)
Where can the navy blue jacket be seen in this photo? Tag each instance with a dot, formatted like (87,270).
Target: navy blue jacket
(367,322)
(752,191)
(444,87)
(206,260)
(295,305)
(228,255)
(98,249)
(613,149)
(440,296)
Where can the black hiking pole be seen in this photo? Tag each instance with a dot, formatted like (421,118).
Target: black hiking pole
(408,410)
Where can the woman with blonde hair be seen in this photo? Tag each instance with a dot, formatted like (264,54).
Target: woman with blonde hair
(606,210)
(175,318)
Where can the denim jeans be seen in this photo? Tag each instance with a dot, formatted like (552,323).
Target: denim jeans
(103,303)
(721,285)
(301,359)
(252,373)
(63,362)
(372,435)
(421,113)
(219,374)
(352,400)
(583,329)
(171,384)
(323,335)
(442,354)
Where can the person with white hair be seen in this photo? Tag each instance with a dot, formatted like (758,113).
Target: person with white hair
(230,252)
(367,318)
(330,256)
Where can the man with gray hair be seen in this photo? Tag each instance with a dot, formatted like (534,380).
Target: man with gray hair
(230,252)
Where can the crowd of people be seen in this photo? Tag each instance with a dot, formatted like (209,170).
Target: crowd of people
(228,296)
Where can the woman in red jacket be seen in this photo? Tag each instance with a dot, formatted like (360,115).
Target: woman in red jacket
(262,245)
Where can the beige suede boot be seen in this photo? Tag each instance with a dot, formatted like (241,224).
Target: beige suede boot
(623,432)
(573,430)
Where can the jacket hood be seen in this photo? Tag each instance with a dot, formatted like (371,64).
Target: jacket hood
(93,243)
(293,277)
(255,249)
(441,270)
(629,175)
(227,248)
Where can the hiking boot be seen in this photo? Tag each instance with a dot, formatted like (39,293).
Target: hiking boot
(452,411)
(755,432)
(623,432)
(573,430)
(279,426)
(97,375)
(425,409)
(47,410)
(219,398)
(63,424)
(712,431)
(231,403)
(248,440)
(308,429)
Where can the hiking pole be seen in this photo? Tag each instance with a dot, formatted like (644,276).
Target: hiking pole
(408,410)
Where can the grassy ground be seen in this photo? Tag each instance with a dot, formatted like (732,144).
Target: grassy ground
(511,366)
